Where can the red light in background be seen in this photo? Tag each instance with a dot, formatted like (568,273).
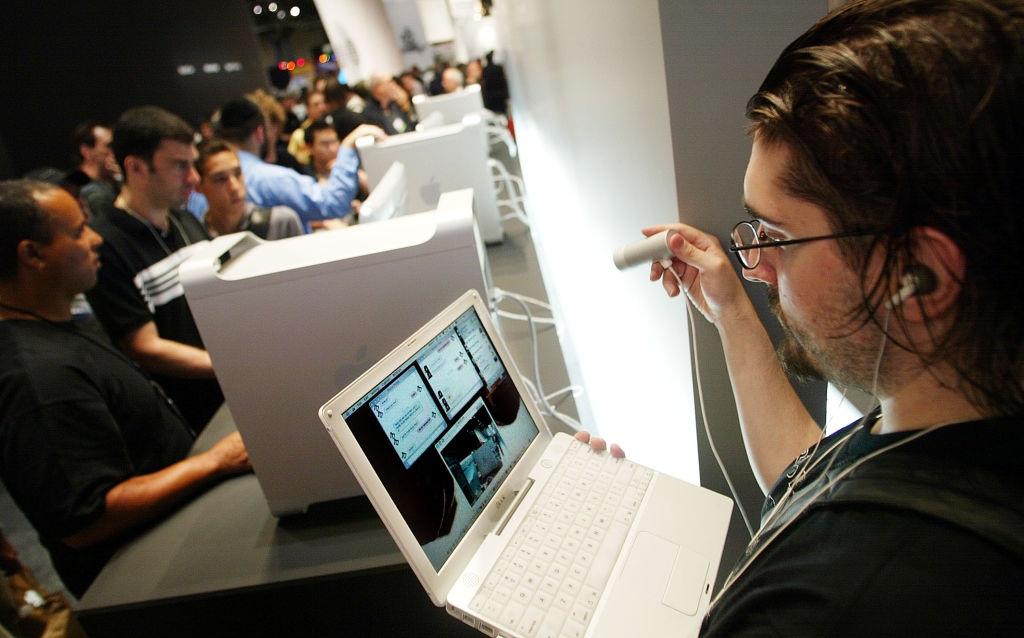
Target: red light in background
(291,66)
(301,62)
(282,65)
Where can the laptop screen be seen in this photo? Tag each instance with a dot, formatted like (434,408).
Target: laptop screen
(442,432)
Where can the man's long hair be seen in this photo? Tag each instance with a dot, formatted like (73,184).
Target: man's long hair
(903,114)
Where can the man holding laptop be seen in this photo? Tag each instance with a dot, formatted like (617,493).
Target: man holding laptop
(884,185)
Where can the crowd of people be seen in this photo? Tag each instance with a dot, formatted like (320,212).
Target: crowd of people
(104,380)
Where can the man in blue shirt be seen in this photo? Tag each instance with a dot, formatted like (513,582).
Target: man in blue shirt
(242,124)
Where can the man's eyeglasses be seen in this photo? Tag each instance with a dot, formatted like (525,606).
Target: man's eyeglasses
(747,240)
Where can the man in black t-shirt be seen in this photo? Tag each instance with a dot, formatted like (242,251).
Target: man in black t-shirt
(89,447)
(138,298)
(884,187)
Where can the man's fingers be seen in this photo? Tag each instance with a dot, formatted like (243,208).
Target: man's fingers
(599,445)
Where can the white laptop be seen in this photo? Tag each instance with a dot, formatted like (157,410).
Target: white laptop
(517,532)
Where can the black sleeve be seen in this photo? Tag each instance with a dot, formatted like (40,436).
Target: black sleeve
(59,462)
(115,298)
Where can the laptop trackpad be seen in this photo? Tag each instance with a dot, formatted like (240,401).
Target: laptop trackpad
(658,590)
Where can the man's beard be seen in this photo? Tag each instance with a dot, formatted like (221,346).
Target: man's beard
(841,359)
(794,357)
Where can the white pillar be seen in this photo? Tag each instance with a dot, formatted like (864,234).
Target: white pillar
(361,37)
(592,121)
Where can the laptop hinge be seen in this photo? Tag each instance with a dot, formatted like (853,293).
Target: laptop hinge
(513,506)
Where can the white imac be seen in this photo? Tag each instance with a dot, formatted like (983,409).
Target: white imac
(451,106)
(446,158)
(387,198)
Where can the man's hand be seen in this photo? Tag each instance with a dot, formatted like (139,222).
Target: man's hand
(231,455)
(363,130)
(598,444)
(704,269)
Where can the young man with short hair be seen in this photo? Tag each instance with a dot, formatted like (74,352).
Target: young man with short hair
(138,298)
(222,183)
(322,141)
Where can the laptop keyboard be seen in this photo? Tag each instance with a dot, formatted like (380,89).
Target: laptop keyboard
(549,578)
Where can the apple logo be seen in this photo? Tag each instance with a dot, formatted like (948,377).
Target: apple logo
(431,192)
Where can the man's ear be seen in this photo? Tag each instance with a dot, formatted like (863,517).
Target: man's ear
(938,253)
(30,255)
(134,165)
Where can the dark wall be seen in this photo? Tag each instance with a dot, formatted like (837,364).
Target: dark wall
(63,62)
(717,52)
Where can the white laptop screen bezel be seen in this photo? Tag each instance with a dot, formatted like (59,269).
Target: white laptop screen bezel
(437,583)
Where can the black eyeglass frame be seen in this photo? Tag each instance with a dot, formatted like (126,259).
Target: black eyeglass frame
(754,224)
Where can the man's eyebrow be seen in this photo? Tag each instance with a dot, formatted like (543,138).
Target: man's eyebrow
(755,214)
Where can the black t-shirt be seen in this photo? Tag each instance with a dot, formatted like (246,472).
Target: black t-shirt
(875,570)
(76,419)
(138,283)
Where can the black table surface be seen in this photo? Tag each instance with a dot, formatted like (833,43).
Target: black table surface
(224,565)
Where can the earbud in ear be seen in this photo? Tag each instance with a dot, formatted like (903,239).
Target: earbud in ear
(917,280)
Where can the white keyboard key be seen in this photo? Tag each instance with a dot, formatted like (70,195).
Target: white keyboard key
(605,557)
(479,601)
(492,608)
(557,571)
(572,629)
(586,559)
(580,614)
(542,599)
(589,597)
(577,571)
(571,587)
(549,630)
(564,557)
(510,579)
(563,601)
(530,623)
(549,585)
(511,614)
(522,595)
(624,516)
(553,622)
